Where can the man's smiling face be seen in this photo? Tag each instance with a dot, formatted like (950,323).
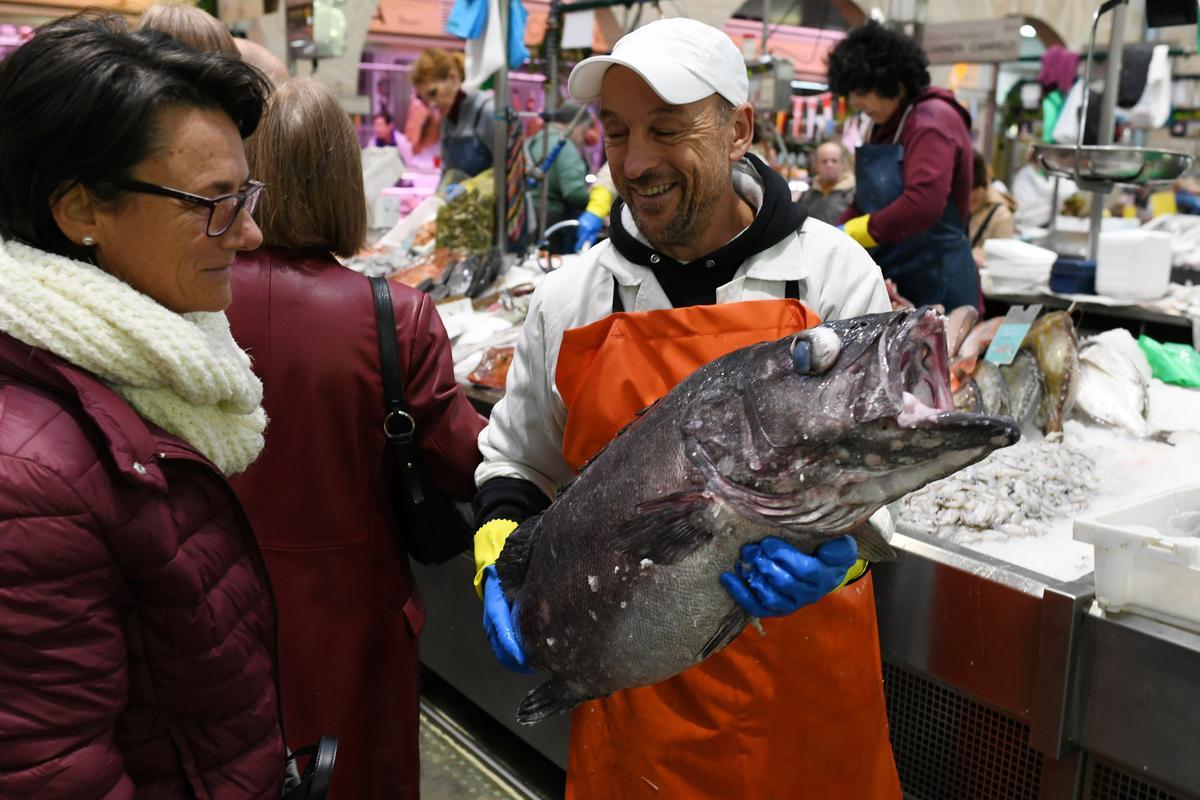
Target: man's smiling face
(671,164)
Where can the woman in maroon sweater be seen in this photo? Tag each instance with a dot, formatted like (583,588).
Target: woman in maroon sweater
(914,175)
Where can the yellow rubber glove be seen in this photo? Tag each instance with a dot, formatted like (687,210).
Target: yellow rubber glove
(884,524)
(854,573)
(600,201)
(489,541)
(856,229)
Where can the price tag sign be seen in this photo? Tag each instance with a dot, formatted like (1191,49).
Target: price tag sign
(1012,332)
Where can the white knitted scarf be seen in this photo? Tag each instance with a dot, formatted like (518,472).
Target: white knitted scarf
(183,372)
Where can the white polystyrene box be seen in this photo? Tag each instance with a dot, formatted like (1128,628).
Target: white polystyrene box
(1133,265)
(1148,556)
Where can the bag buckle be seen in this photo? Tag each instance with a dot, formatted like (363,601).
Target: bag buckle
(396,418)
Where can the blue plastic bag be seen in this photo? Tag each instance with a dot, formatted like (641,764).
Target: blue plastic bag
(518,53)
(468,19)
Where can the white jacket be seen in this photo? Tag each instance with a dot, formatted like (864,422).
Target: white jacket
(524,436)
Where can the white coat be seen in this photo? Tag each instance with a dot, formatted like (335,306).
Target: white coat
(524,437)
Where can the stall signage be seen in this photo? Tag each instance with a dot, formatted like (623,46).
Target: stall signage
(982,41)
(1012,332)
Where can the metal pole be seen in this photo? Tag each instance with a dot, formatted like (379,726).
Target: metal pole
(766,14)
(1108,104)
(551,43)
(989,125)
(500,111)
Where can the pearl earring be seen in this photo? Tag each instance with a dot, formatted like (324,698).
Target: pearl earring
(88,241)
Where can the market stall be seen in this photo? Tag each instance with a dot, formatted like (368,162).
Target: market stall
(1003,672)
(1009,673)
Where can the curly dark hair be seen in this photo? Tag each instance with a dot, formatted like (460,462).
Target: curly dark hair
(873,58)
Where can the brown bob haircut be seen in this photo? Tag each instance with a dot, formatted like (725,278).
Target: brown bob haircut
(437,65)
(306,151)
(197,29)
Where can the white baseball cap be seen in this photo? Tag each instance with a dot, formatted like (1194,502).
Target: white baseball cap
(683,60)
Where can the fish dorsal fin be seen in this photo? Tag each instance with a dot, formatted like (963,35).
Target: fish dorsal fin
(637,415)
(666,530)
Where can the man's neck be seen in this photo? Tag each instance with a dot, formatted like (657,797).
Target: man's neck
(732,216)
(827,186)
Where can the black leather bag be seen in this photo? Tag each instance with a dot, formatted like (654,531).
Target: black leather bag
(313,784)
(432,528)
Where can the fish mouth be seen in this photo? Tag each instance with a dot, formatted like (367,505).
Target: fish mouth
(920,387)
(921,382)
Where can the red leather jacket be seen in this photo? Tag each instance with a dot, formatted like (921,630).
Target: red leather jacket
(349,612)
(136,626)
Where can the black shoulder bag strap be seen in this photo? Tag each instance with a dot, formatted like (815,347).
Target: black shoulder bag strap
(398,424)
(983,228)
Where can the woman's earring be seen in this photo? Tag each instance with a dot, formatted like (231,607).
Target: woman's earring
(88,240)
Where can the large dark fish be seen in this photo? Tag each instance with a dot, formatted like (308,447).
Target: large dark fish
(616,585)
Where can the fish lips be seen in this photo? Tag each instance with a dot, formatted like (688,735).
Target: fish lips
(964,429)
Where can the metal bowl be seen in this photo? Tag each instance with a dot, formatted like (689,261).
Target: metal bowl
(1110,164)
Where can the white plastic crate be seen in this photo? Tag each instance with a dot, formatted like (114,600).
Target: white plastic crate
(1148,556)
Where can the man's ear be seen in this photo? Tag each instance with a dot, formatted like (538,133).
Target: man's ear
(742,125)
(75,213)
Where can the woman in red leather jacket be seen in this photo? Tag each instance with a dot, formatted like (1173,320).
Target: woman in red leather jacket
(349,611)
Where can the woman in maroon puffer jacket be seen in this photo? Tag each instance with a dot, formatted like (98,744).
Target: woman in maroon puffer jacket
(349,610)
(136,624)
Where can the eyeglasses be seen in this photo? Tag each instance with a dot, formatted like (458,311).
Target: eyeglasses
(222,211)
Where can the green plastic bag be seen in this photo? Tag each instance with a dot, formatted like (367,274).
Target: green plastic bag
(1172,363)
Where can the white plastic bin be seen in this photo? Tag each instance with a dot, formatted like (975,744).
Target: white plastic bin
(1148,556)
(1134,265)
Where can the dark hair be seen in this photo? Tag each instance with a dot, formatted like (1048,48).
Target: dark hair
(979,174)
(77,106)
(873,58)
(383,115)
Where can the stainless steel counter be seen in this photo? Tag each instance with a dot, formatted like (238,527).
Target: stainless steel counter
(1005,684)
(1001,683)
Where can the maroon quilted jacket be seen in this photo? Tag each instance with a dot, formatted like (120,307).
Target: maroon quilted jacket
(136,624)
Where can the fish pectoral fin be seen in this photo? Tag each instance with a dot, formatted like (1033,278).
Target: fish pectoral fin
(551,698)
(731,626)
(513,561)
(871,544)
(666,530)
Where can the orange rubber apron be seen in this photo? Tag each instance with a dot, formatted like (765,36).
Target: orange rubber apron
(798,713)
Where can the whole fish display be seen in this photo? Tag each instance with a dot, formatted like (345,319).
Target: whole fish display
(1023,378)
(1114,382)
(980,337)
(616,584)
(959,323)
(966,397)
(993,391)
(1053,343)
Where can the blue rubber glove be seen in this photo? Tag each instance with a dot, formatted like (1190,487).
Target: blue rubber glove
(774,579)
(498,625)
(588,230)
